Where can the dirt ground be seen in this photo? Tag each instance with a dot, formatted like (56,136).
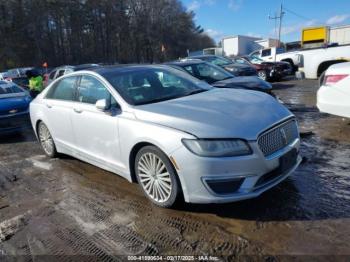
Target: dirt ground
(64,209)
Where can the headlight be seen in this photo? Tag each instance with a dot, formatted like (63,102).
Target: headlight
(217,148)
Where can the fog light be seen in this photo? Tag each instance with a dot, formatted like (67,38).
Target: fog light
(224,186)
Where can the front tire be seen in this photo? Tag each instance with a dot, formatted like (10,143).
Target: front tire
(262,74)
(157,177)
(46,140)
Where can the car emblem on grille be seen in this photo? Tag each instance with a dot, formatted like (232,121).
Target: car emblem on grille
(13,111)
(284,136)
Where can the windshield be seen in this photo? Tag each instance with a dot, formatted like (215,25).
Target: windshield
(239,60)
(9,88)
(255,60)
(139,86)
(220,61)
(208,72)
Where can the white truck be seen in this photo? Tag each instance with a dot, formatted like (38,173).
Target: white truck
(239,45)
(312,62)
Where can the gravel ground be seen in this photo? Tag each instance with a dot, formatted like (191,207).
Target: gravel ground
(64,209)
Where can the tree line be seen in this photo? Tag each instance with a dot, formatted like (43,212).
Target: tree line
(100,31)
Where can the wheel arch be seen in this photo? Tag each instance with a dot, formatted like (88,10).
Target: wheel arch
(322,67)
(291,62)
(38,121)
(132,156)
(288,60)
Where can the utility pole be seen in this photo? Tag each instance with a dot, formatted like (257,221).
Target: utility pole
(279,17)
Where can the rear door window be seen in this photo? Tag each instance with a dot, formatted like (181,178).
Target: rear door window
(63,90)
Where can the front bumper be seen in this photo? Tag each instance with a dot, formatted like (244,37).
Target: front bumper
(14,123)
(194,172)
(281,73)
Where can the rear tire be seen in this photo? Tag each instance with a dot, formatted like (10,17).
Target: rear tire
(157,177)
(46,140)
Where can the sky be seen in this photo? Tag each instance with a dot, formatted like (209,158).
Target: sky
(221,18)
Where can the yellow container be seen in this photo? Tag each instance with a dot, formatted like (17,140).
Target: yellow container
(315,35)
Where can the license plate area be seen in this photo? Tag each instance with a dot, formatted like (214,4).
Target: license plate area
(288,160)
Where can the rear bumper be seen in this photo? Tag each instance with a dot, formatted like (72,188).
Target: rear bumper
(14,123)
(331,101)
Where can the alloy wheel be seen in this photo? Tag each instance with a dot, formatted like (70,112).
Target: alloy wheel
(154,177)
(262,75)
(46,139)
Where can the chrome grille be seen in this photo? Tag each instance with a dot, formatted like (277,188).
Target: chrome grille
(278,137)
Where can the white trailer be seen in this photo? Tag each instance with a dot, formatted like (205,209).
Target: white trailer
(239,45)
(213,51)
(340,35)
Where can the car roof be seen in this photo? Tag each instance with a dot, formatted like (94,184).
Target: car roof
(84,66)
(185,62)
(101,70)
(75,67)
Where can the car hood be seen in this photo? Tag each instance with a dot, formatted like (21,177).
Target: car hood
(218,113)
(247,82)
(238,66)
(11,102)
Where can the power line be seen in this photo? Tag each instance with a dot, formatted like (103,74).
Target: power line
(296,14)
(278,17)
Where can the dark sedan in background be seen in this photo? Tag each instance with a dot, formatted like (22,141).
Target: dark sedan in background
(14,108)
(268,71)
(218,77)
(237,69)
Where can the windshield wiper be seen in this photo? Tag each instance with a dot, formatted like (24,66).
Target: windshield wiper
(161,99)
(171,97)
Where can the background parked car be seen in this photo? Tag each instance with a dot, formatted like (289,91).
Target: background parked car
(218,77)
(333,97)
(18,72)
(236,69)
(62,70)
(14,106)
(269,70)
(3,76)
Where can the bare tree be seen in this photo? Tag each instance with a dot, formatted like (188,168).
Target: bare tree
(81,31)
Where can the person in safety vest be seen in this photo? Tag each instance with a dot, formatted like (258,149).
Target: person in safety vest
(36,84)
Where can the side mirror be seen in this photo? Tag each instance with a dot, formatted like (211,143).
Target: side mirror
(103,105)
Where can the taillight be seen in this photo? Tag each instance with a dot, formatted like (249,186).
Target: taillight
(332,79)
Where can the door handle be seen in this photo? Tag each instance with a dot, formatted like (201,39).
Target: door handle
(48,106)
(77,110)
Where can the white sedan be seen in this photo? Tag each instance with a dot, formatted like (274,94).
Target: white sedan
(176,136)
(333,97)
